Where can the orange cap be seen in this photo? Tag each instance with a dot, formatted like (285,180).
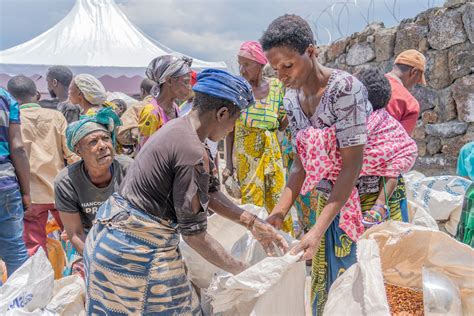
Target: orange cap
(415,59)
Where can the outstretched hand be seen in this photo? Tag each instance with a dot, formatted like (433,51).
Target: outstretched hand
(276,220)
(309,245)
(269,238)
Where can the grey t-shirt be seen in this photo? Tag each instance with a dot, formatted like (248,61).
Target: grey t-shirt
(75,193)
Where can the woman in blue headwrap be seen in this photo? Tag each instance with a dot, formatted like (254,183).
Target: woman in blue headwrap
(133,265)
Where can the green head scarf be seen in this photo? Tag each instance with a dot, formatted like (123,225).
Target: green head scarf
(104,120)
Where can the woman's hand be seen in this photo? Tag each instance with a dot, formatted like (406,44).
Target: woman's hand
(268,237)
(276,219)
(309,244)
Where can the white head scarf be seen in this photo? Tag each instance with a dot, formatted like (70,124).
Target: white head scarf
(92,89)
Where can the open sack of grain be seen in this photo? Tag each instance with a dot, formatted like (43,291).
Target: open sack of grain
(399,260)
(252,291)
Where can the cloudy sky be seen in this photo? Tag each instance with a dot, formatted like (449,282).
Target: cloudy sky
(212,29)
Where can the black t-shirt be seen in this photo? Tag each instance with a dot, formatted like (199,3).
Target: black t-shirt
(168,172)
(75,193)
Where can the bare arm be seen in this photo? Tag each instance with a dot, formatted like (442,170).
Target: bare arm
(229,153)
(210,249)
(352,158)
(289,194)
(20,162)
(74,229)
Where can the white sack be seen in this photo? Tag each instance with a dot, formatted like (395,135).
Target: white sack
(29,288)
(440,196)
(404,250)
(255,290)
(68,297)
(227,233)
(32,291)
(360,289)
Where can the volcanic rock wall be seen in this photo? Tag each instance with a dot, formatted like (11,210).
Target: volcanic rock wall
(446,37)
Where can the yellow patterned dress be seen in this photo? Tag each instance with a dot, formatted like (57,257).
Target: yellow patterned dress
(152,118)
(259,162)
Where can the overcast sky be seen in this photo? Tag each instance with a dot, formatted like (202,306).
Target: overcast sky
(211,29)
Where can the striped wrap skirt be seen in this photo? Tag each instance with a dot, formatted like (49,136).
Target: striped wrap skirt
(134,266)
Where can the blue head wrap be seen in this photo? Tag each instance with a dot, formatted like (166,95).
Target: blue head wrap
(221,84)
(104,120)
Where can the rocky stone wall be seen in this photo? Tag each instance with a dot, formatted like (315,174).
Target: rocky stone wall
(446,37)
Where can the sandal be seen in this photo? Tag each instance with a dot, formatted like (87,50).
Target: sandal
(375,214)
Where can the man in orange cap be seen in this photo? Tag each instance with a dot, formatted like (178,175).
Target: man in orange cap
(407,71)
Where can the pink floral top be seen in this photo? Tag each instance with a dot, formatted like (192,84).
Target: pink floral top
(343,105)
(389,152)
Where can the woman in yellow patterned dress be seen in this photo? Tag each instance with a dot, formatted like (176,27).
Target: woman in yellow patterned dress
(173,82)
(254,141)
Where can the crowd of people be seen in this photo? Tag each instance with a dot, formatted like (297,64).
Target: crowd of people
(124,181)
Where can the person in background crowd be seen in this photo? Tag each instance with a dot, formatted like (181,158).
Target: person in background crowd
(166,193)
(81,188)
(127,134)
(15,199)
(172,77)
(58,79)
(120,106)
(465,168)
(408,70)
(145,88)
(43,131)
(88,92)
(254,141)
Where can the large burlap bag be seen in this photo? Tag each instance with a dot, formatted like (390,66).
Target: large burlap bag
(404,249)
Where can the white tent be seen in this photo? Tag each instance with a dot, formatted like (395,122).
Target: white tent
(95,37)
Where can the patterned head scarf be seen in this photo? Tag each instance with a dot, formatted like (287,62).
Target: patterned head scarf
(221,84)
(166,66)
(104,120)
(92,89)
(253,51)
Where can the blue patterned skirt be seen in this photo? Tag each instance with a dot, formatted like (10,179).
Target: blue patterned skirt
(134,266)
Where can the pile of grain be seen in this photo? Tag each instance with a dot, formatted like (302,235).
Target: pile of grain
(404,301)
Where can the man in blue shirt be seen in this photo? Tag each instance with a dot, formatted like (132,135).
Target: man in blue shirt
(14,184)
